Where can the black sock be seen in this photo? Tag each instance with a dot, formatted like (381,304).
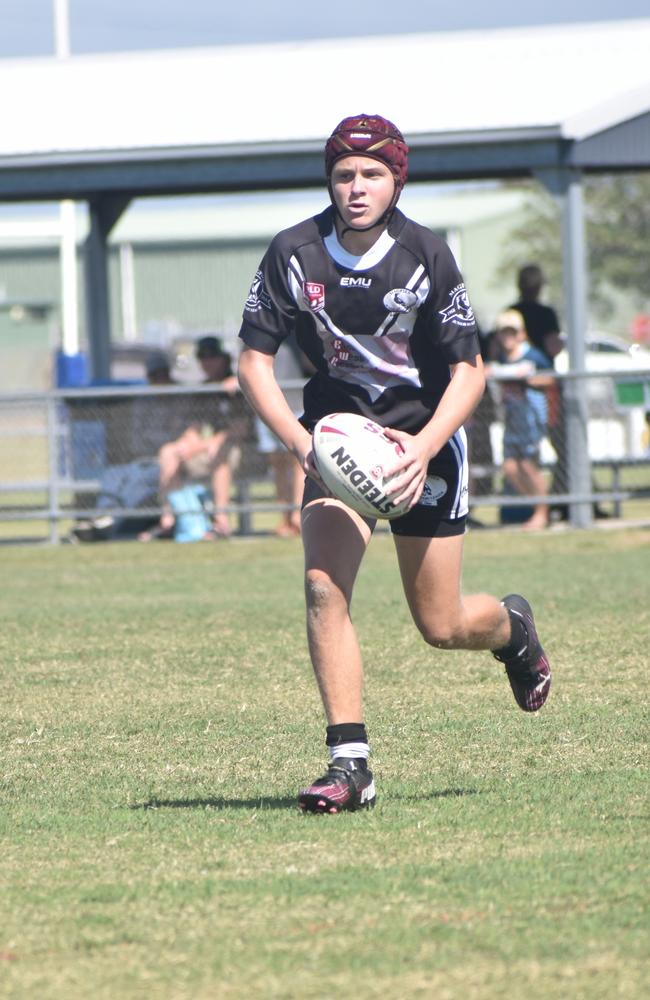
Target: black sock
(348,739)
(518,637)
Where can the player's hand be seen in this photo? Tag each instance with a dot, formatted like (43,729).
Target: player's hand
(409,469)
(306,458)
(311,469)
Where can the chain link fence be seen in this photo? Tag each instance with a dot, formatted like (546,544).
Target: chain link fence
(87,464)
(610,412)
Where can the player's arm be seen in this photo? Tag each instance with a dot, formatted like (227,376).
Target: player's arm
(259,385)
(540,381)
(458,402)
(539,377)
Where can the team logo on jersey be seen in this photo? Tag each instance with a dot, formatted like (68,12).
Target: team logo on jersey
(258,297)
(459,309)
(400,300)
(434,488)
(348,282)
(314,294)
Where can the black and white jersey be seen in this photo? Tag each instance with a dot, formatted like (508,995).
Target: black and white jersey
(381,329)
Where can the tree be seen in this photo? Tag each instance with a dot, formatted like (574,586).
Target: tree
(617,211)
(618,221)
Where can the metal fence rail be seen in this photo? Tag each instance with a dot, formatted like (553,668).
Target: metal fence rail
(61,450)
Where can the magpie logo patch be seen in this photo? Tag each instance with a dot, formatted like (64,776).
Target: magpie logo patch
(258,298)
(314,295)
(459,309)
(434,489)
(400,300)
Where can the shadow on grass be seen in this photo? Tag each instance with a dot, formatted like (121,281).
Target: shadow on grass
(259,803)
(280,803)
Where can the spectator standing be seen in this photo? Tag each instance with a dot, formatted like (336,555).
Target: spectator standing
(525,409)
(543,332)
(541,321)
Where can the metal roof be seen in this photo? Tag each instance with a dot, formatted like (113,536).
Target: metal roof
(472,104)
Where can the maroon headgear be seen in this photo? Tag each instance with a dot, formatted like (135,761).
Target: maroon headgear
(369,135)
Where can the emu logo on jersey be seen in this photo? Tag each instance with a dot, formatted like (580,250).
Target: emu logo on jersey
(314,294)
(434,488)
(258,297)
(459,310)
(355,282)
(400,300)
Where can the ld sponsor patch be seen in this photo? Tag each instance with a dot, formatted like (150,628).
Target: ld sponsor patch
(434,489)
(459,309)
(314,295)
(400,300)
(258,298)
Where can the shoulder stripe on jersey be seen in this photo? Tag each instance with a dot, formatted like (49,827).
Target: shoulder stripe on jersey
(415,277)
(295,278)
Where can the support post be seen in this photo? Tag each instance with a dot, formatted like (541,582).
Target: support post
(575,290)
(565,184)
(103,214)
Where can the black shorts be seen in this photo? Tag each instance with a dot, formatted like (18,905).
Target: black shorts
(420,522)
(441,511)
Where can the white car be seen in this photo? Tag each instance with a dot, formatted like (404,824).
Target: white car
(617,425)
(608,353)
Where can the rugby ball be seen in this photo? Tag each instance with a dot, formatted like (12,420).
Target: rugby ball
(351,453)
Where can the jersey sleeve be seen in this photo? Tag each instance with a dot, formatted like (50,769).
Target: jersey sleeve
(270,311)
(454,326)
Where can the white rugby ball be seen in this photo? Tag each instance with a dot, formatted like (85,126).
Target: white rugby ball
(351,453)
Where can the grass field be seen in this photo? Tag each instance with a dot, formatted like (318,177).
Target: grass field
(159,716)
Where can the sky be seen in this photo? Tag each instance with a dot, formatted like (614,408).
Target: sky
(26,26)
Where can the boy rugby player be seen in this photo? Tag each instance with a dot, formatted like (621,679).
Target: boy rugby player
(379,307)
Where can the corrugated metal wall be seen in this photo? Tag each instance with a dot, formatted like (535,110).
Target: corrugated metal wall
(178,288)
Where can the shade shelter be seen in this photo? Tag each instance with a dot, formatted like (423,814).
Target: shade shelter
(551,102)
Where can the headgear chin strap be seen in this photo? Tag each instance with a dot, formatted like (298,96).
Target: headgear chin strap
(374,136)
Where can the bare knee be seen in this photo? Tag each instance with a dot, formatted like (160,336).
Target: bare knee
(168,453)
(441,634)
(322,594)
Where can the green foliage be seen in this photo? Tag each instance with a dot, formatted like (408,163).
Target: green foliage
(619,231)
(617,210)
(159,716)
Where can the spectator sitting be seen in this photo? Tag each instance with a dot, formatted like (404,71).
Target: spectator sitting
(525,410)
(289,364)
(207,448)
(158,369)
(135,483)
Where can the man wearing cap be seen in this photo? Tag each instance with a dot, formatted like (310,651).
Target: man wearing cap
(216,362)
(380,309)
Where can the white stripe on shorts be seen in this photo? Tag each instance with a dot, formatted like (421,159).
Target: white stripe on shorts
(458,444)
